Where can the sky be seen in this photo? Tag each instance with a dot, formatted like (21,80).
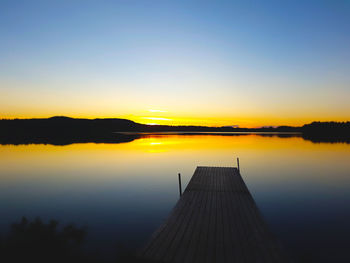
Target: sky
(216,63)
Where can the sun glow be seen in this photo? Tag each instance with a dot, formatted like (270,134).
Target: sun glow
(157,111)
(157,118)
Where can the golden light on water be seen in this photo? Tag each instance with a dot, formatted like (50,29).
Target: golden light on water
(143,157)
(182,144)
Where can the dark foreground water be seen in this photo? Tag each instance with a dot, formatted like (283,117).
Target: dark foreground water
(122,192)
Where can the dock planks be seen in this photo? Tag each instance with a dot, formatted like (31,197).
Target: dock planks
(215,220)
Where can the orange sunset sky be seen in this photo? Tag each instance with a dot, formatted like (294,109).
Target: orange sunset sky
(177,63)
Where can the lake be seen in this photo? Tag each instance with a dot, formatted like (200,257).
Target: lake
(122,192)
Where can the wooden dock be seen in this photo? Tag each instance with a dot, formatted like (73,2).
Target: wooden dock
(215,220)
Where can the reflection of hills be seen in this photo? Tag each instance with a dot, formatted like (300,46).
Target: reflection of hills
(329,139)
(64,130)
(65,139)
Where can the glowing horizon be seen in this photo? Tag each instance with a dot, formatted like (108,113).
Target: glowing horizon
(196,121)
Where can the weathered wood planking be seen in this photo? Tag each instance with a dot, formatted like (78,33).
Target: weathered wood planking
(215,220)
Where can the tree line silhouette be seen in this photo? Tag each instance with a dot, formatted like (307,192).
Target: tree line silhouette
(327,131)
(62,130)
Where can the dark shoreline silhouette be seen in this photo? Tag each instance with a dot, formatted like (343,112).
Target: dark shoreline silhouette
(64,130)
(334,132)
(37,241)
(43,242)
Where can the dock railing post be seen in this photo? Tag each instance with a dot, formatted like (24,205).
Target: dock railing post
(180,188)
(239,170)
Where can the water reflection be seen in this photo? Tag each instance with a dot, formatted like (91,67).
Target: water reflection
(125,137)
(122,192)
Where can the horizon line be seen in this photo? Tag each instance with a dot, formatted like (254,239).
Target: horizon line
(234,126)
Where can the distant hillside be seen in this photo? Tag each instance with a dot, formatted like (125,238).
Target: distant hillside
(327,131)
(327,127)
(61,125)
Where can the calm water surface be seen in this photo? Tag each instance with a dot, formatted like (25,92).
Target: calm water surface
(122,192)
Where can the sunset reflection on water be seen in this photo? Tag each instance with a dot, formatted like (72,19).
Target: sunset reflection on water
(122,192)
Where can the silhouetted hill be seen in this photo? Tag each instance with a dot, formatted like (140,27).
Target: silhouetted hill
(62,124)
(327,127)
(327,131)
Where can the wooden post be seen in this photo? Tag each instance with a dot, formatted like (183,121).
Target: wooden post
(238,165)
(180,188)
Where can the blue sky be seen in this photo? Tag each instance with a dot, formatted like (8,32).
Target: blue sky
(226,62)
